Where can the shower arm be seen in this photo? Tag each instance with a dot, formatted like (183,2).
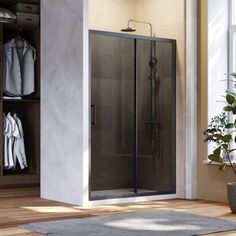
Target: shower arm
(141,22)
(151,30)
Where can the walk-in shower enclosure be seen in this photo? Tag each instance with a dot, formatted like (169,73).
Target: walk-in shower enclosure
(133,115)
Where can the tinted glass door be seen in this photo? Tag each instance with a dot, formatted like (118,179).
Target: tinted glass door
(133,117)
(155,117)
(112,116)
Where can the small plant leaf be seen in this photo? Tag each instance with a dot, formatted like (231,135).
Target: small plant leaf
(217,151)
(230,126)
(231,93)
(225,146)
(228,108)
(227,138)
(232,74)
(230,99)
(215,158)
(218,136)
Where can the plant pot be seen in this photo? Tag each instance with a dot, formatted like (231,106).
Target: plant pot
(231,187)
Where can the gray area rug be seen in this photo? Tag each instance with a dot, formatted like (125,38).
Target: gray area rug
(161,223)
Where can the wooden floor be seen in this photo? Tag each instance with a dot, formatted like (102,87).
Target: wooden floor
(20,206)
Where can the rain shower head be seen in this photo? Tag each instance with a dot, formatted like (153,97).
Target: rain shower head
(128,29)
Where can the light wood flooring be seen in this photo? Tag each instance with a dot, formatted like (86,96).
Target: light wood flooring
(21,206)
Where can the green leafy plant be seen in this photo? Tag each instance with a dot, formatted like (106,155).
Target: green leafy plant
(222,132)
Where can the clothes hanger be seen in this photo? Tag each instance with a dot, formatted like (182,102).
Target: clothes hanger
(18,34)
(19,40)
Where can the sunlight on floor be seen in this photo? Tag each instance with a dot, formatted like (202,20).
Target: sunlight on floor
(149,225)
(52,209)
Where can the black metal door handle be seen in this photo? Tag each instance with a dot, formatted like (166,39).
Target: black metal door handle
(93,114)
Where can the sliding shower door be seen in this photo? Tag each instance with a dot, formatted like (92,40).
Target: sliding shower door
(112,116)
(132,115)
(155,117)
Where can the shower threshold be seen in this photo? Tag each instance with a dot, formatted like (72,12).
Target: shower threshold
(129,192)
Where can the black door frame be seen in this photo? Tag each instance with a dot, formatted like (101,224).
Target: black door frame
(135,152)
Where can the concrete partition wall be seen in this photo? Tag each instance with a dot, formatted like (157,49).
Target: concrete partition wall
(64,101)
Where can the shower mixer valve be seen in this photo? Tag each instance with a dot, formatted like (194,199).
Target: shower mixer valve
(152,123)
(153,62)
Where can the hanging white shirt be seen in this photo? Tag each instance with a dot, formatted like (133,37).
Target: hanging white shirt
(6,124)
(11,132)
(18,76)
(19,146)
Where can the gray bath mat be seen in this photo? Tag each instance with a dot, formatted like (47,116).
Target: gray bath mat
(161,223)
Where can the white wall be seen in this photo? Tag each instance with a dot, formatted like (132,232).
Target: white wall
(64,100)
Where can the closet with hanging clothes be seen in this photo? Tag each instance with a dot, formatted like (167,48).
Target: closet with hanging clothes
(19,92)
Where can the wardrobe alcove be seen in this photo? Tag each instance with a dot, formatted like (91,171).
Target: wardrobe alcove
(28,107)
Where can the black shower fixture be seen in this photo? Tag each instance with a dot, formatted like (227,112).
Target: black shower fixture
(153,62)
(130,29)
(153,122)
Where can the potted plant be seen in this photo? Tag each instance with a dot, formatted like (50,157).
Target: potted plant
(222,132)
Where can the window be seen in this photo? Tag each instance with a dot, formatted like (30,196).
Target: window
(232,53)
(232,36)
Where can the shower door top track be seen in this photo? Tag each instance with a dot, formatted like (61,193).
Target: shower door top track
(132,36)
